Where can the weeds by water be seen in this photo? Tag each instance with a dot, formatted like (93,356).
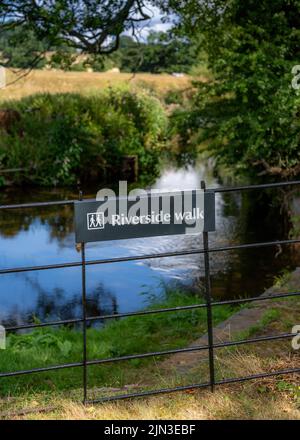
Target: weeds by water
(120,337)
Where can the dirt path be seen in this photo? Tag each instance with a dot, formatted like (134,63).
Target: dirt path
(185,363)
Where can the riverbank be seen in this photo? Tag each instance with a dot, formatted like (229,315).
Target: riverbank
(248,321)
(69,138)
(128,336)
(273,397)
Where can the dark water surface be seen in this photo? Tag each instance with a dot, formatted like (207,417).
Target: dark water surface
(46,236)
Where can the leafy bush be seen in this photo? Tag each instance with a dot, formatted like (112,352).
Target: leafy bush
(63,136)
(247,113)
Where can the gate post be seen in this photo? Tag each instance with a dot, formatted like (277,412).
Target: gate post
(84,316)
(208,304)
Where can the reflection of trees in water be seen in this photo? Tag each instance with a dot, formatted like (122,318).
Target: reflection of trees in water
(61,224)
(58,221)
(56,305)
(260,217)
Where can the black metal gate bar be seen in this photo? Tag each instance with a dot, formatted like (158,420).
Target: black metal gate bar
(254,187)
(84,322)
(149,312)
(149,256)
(216,190)
(193,386)
(208,305)
(152,354)
(84,316)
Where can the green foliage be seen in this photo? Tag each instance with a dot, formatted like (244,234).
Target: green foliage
(17,51)
(162,52)
(63,59)
(100,63)
(68,135)
(46,341)
(91,26)
(291,388)
(295,229)
(248,112)
(132,335)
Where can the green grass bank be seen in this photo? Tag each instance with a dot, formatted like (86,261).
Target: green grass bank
(119,337)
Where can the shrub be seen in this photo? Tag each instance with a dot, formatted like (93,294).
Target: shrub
(247,113)
(65,136)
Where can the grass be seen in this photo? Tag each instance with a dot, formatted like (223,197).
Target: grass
(43,81)
(272,398)
(132,335)
(268,398)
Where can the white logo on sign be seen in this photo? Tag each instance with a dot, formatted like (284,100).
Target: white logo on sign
(95,220)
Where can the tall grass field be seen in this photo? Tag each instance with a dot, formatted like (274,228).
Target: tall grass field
(58,81)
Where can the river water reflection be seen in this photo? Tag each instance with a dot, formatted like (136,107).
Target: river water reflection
(46,236)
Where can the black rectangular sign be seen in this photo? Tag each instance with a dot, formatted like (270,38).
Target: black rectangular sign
(147,215)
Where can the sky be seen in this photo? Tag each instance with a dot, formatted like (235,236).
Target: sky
(154,24)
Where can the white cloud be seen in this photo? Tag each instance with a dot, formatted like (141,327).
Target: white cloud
(154,24)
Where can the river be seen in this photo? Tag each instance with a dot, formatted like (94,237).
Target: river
(46,236)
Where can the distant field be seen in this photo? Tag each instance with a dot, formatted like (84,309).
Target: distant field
(83,82)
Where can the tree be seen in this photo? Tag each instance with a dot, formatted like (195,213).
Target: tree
(161,52)
(89,26)
(17,51)
(164,52)
(92,26)
(249,112)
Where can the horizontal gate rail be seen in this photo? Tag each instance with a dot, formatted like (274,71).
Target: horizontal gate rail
(208,305)
(216,190)
(254,187)
(150,354)
(154,311)
(38,204)
(149,256)
(194,386)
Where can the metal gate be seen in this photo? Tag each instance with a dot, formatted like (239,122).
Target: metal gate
(208,305)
